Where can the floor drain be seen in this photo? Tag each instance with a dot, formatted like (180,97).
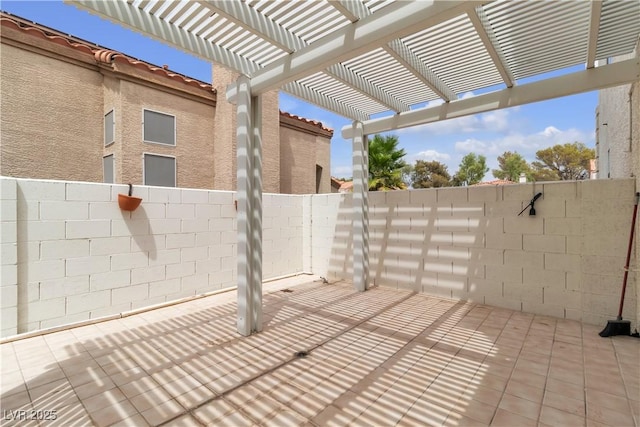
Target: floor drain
(287,290)
(301,354)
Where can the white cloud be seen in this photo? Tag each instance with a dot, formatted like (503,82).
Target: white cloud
(427,155)
(493,121)
(342,171)
(526,145)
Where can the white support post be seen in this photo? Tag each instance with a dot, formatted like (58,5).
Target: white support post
(256,214)
(360,208)
(249,198)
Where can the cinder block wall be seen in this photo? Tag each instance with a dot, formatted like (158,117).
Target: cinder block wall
(469,244)
(70,254)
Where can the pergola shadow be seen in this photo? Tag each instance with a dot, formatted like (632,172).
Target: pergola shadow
(382,357)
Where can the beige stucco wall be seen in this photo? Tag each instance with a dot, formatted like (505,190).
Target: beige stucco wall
(51,117)
(55,97)
(225,142)
(613,144)
(194,135)
(300,153)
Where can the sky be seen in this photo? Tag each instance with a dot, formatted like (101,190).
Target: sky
(524,129)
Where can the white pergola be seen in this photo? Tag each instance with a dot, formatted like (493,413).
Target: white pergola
(360,58)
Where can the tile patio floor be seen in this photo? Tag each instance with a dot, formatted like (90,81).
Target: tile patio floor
(379,358)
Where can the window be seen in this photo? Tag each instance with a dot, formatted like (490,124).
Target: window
(318,178)
(109,128)
(158,128)
(108,169)
(159,170)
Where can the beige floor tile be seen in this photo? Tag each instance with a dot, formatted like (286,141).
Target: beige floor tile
(332,416)
(212,411)
(569,390)
(405,366)
(113,414)
(69,415)
(138,386)
(234,419)
(614,417)
(163,412)
(504,418)
(456,419)
(475,410)
(195,396)
(263,407)
(564,403)
(150,398)
(520,406)
(136,420)
(428,413)
(183,421)
(556,417)
(529,378)
(102,400)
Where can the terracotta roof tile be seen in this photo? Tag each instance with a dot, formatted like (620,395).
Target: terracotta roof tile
(302,119)
(100,54)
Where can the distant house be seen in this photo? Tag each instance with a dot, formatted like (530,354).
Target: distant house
(338,186)
(74,110)
(496,182)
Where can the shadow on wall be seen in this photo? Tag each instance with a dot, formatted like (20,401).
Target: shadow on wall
(417,242)
(341,257)
(471,244)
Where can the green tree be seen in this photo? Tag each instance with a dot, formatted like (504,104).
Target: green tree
(407,172)
(385,163)
(511,165)
(471,170)
(568,162)
(430,175)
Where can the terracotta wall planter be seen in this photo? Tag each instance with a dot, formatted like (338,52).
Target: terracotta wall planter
(127,202)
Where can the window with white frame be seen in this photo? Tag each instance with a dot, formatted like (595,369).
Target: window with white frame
(109,128)
(108,169)
(158,128)
(159,170)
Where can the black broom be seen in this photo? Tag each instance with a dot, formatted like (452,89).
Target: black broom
(619,326)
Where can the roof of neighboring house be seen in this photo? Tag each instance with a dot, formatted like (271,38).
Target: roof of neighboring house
(342,186)
(311,122)
(105,55)
(496,182)
(100,53)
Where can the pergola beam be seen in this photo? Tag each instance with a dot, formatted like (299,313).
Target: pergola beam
(485,32)
(258,24)
(309,95)
(570,84)
(355,10)
(411,62)
(139,21)
(397,20)
(594,28)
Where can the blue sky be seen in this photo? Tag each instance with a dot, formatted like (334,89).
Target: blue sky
(524,129)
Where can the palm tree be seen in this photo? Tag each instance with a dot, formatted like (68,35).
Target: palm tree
(385,163)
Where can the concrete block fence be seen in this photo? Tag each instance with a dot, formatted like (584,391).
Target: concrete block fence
(70,254)
(470,244)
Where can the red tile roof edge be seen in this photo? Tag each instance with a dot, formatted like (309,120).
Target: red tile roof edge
(100,54)
(308,121)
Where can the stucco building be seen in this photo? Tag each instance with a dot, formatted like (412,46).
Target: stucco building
(74,110)
(618,129)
